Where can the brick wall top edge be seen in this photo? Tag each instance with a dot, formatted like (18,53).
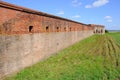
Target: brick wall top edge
(23,9)
(97,25)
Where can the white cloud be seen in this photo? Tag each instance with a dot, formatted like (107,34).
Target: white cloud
(76,16)
(97,3)
(108,18)
(61,12)
(76,3)
(88,6)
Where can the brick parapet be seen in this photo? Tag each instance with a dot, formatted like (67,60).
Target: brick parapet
(18,20)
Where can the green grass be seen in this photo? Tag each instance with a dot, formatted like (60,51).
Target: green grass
(95,58)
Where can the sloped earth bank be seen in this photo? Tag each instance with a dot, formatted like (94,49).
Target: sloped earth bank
(95,58)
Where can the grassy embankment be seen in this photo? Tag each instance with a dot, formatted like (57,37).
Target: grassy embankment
(95,58)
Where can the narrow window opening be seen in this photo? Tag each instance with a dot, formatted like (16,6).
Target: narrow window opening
(47,28)
(30,28)
(57,29)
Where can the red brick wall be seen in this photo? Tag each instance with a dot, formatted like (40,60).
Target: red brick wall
(17,22)
(13,21)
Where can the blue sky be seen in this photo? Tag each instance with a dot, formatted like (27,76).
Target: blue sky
(105,12)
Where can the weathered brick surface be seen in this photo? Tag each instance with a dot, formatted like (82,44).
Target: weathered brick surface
(19,51)
(18,22)
(27,37)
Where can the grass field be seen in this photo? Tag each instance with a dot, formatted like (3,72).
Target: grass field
(95,58)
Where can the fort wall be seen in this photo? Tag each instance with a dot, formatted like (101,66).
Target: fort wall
(19,51)
(28,36)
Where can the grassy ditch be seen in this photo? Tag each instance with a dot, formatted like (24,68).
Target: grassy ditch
(95,58)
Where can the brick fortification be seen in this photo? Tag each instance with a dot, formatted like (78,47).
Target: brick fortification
(28,36)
